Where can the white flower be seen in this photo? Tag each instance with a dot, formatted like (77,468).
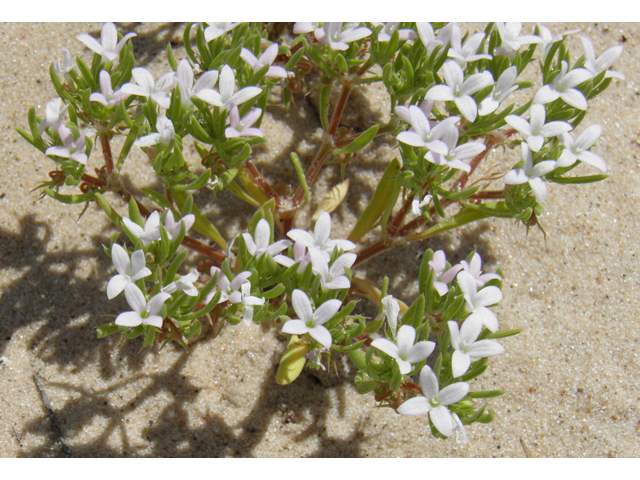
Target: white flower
(467,52)
(456,153)
(504,87)
(459,90)
(128,270)
(548,39)
(310,321)
(109,46)
(385,34)
(416,205)
(146,86)
(173,227)
(463,341)
(249,302)
(579,149)
(478,301)
(242,127)
(53,115)
(334,277)
(226,96)
(72,149)
(421,134)
(63,69)
(562,87)
(405,352)
(143,313)
(531,173)
(107,96)
(150,232)
(332,35)
(441,275)
(230,290)
(164,135)
(320,239)
(260,245)
(215,29)
(535,130)
(434,401)
(603,62)
(391,310)
(267,58)
(511,39)
(427,36)
(305,27)
(183,79)
(184,283)
(475,268)
(300,256)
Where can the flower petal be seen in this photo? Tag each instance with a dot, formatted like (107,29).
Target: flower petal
(415,406)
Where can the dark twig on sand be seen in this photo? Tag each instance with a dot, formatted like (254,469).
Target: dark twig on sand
(54,421)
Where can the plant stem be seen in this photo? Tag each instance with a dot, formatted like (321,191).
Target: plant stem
(106,152)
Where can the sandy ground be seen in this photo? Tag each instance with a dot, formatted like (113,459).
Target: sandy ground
(571,376)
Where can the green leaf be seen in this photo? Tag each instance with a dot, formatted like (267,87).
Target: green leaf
(111,213)
(325,96)
(485,394)
(157,198)
(577,180)
(202,224)
(292,361)
(359,143)
(348,348)
(126,148)
(301,177)
(107,329)
(504,333)
(358,359)
(198,183)
(70,199)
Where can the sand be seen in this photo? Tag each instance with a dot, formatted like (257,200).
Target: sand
(571,377)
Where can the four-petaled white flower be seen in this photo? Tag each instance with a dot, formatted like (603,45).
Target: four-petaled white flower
(416,205)
(183,79)
(405,352)
(173,227)
(421,134)
(334,277)
(603,62)
(578,149)
(227,86)
(511,39)
(535,130)
(427,36)
(248,301)
(463,340)
(320,239)
(441,275)
(305,27)
(107,96)
(478,301)
(467,52)
(53,115)
(230,290)
(435,401)
(146,86)
(267,58)
(504,87)
(109,46)
(150,232)
(310,321)
(145,313)
(242,127)
(184,283)
(259,245)
(459,90)
(562,87)
(72,149)
(475,268)
(389,28)
(129,270)
(300,256)
(164,134)
(332,35)
(531,173)
(455,153)
(215,29)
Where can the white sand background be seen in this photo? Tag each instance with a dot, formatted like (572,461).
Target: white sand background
(571,377)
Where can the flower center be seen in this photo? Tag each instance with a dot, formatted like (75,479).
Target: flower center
(434,402)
